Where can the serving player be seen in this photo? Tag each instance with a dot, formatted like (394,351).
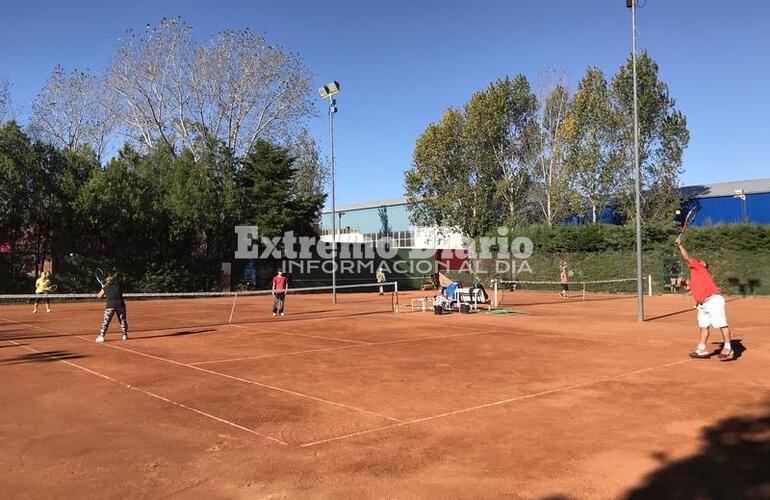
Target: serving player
(710,305)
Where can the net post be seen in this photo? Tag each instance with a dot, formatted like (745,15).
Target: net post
(649,285)
(232,309)
(395,293)
(494,287)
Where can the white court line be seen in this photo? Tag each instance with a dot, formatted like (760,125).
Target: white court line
(247,381)
(600,337)
(151,394)
(402,341)
(475,329)
(261,329)
(197,363)
(496,403)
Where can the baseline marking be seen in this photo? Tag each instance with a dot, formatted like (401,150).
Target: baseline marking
(151,394)
(245,358)
(301,335)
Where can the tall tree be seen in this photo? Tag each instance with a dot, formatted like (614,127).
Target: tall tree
(436,185)
(312,171)
(663,137)
(236,87)
(245,89)
(73,110)
(17,161)
(499,140)
(148,76)
(552,182)
(267,195)
(5,101)
(472,169)
(592,154)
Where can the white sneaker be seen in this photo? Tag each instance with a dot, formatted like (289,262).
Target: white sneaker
(281,314)
(100,338)
(125,336)
(273,314)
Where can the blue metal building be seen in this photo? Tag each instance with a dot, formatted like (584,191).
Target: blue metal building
(730,202)
(722,203)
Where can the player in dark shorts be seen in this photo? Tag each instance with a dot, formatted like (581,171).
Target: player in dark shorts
(280,286)
(564,280)
(115,305)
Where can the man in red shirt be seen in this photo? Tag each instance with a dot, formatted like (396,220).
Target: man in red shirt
(711,306)
(280,286)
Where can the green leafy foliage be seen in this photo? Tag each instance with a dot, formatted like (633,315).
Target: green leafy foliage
(508,158)
(164,221)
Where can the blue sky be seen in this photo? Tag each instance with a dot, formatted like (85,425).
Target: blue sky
(402,63)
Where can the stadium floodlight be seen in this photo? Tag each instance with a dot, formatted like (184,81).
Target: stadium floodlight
(328,91)
(632,4)
(739,194)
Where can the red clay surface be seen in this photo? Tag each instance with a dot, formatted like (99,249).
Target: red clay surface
(572,399)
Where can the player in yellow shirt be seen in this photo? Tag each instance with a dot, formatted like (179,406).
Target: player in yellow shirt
(42,287)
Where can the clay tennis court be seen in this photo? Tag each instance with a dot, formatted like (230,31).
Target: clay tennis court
(571,399)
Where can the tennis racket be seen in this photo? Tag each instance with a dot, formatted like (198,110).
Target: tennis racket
(100,277)
(687,220)
(53,288)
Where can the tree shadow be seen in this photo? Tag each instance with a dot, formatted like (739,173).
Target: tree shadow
(41,357)
(733,463)
(183,333)
(291,316)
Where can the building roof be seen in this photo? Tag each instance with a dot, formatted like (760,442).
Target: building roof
(371,204)
(750,186)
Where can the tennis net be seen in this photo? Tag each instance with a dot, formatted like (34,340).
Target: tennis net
(522,291)
(82,313)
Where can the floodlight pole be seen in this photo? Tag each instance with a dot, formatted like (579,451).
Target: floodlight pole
(328,91)
(332,110)
(637,174)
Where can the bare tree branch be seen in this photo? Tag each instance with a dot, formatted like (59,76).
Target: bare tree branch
(72,111)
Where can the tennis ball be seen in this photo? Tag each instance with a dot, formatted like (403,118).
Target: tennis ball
(678,212)
(72,254)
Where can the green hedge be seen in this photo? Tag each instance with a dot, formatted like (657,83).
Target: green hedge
(602,237)
(738,255)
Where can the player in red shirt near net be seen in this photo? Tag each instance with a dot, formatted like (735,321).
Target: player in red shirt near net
(711,306)
(280,286)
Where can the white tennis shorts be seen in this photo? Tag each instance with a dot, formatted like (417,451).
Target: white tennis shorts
(712,313)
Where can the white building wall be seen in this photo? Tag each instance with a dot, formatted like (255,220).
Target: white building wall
(421,237)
